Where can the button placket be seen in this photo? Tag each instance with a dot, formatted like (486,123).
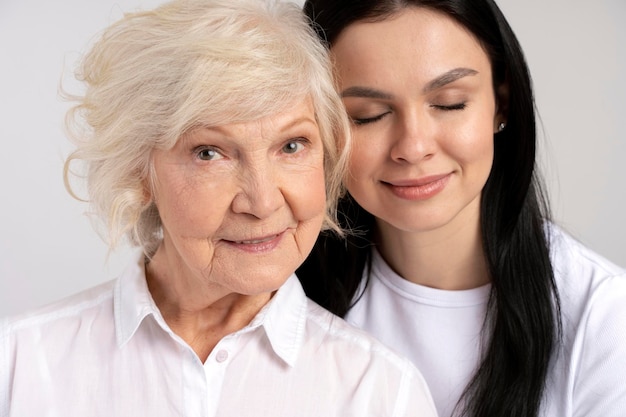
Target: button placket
(221,355)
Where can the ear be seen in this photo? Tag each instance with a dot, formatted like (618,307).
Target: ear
(502,107)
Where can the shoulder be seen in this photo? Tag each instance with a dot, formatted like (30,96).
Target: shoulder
(580,273)
(382,376)
(570,255)
(583,277)
(82,306)
(52,333)
(335,333)
(592,293)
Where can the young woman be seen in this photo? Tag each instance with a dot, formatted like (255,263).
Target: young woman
(453,260)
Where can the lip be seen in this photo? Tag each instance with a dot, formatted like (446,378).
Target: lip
(260,244)
(418,189)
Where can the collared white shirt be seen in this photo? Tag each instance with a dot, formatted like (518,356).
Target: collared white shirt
(108,352)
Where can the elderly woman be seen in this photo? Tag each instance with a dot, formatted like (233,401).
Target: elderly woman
(209,134)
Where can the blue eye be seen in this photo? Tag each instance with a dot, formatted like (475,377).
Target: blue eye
(293,146)
(208,154)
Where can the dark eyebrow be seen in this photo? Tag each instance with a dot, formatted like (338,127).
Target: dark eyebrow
(365,92)
(442,80)
(448,77)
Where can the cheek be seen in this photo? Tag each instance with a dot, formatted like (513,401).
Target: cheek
(474,152)
(366,154)
(310,196)
(304,192)
(191,207)
(477,144)
(310,212)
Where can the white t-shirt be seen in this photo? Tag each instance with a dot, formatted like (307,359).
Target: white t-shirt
(441,331)
(108,352)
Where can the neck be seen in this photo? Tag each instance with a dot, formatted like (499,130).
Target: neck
(200,313)
(448,258)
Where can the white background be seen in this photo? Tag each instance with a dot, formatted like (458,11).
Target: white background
(575,49)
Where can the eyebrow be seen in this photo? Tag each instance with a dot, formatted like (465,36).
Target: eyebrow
(289,124)
(365,92)
(448,77)
(444,79)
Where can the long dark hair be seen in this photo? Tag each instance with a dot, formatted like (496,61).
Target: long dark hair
(523,316)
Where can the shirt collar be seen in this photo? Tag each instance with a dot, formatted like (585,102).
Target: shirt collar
(132,300)
(283,318)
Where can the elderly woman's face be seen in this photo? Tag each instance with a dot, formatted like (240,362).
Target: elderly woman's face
(242,204)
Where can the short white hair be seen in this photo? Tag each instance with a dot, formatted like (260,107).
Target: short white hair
(155,75)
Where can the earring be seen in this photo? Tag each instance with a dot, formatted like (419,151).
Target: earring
(501,126)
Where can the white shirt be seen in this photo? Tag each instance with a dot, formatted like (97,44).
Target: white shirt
(108,352)
(441,331)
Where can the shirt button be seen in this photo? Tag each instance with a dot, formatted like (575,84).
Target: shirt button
(221,356)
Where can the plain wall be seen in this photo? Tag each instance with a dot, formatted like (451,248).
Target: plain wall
(48,248)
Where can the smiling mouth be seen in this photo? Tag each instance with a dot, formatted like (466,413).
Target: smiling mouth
(258,245)
(420,189)
(256,241)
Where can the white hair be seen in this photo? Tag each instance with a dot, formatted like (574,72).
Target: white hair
(155,75)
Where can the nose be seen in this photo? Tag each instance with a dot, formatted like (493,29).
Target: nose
(414,140)
(260,194)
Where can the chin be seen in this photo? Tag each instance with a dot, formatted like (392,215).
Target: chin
(264,280)
(418,224)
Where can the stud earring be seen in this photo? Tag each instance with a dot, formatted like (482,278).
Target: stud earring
(501,126)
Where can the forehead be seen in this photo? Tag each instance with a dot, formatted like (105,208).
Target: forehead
(295,115)
(415,40)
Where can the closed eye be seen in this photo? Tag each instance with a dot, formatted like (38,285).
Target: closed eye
(365,120)
(458,106)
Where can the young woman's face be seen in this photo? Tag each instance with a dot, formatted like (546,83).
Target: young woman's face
(418,88)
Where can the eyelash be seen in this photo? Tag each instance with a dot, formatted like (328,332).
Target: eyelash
(363,121)
(458,106)
(367,120)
